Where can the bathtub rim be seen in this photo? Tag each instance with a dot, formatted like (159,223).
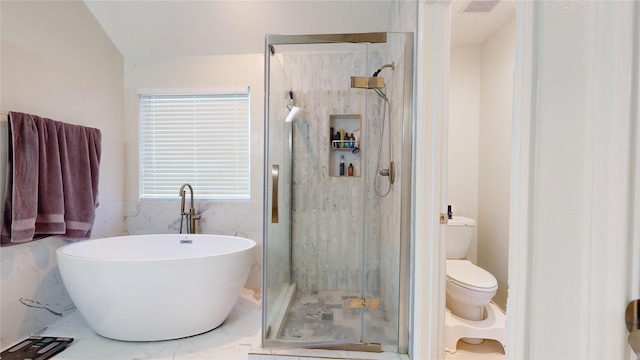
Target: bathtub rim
(62,251)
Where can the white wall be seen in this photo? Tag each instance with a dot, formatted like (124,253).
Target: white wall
(240,218)
(464,134)
(479,152)
(57,62)
(496,98)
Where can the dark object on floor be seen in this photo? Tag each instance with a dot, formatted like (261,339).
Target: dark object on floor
(36,348)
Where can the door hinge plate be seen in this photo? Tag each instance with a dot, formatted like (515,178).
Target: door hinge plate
(363,303)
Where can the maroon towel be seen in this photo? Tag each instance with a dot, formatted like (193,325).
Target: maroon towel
(52,179)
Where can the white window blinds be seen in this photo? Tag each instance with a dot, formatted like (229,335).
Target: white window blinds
(201,139)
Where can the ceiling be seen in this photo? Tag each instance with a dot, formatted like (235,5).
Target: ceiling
(215,27)
(144,28)
(474,28)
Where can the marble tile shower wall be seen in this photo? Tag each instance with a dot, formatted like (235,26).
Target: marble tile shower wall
(328,211)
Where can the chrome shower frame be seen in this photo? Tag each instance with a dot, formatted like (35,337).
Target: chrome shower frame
(407,171)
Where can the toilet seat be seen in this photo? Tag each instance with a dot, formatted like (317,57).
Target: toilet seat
(469,276)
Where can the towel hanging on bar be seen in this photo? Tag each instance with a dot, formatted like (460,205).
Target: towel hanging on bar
(52,182)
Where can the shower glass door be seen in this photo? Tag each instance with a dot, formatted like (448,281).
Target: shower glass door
(333,267)
(278,286)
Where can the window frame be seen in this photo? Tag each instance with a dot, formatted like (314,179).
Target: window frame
(243,151)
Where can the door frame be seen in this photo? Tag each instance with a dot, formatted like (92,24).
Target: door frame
(526,281)
(432,91)
(432,69)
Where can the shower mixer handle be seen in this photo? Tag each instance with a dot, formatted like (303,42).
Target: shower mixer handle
(390,172)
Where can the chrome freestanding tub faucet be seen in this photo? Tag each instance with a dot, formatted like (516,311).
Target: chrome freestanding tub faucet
(190,215)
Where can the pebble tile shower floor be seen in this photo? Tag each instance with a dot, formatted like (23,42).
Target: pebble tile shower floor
(322,316)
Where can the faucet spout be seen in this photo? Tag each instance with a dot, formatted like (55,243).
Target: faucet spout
(182,194)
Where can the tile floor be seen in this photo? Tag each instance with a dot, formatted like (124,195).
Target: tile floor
(322,316)
(238,338)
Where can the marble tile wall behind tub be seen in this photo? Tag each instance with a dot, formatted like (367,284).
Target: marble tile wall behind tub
(33,294)
(237,218)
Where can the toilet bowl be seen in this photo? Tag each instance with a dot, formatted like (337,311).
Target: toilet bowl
(471,315)
(469,288)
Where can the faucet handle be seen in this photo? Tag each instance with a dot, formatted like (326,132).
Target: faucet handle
(193,219)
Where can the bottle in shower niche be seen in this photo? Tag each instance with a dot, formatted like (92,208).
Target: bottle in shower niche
(350,170)
(341,165)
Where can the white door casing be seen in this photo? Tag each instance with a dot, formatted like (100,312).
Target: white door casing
(574,251)
(432,71)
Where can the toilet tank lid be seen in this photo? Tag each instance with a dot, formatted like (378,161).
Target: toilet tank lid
(461,221)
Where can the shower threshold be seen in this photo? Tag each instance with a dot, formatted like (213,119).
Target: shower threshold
(374,348)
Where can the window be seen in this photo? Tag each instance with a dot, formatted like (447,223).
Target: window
(201,139)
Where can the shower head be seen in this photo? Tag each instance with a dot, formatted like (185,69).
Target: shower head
(293,113)
(293,110)
(363,82)
(374,82)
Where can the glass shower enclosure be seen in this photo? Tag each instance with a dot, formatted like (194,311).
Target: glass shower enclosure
(338,170)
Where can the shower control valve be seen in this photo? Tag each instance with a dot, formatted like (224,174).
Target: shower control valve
(390,172)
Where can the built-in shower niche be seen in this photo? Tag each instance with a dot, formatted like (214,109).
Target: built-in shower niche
(348,145)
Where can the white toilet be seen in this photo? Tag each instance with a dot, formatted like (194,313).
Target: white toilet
(471,316)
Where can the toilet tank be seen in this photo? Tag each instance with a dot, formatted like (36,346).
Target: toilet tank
(459,233)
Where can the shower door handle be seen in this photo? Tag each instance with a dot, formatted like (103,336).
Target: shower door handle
(634,342)
(275,173)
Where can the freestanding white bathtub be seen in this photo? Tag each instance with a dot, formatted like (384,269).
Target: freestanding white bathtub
(156,287)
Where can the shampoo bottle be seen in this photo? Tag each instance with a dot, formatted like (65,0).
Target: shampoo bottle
(341,165)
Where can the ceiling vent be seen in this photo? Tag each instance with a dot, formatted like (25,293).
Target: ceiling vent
(479,6)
